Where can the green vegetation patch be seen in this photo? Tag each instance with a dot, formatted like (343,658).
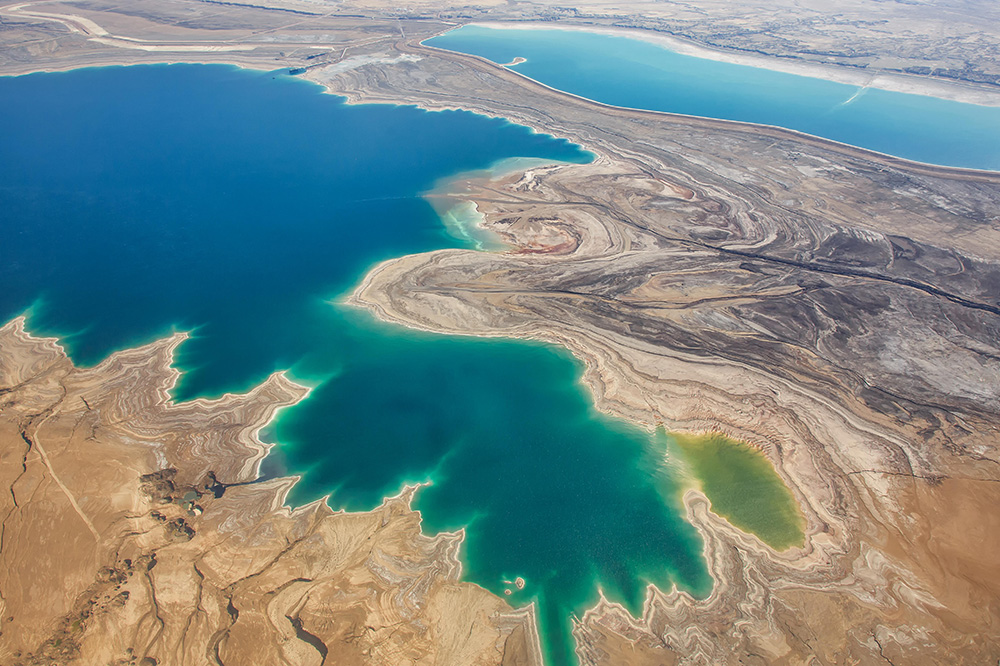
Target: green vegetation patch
(744,488)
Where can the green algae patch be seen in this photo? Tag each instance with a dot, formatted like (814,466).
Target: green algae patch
(744,488)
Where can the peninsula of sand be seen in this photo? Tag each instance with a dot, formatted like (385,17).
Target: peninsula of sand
(833,307)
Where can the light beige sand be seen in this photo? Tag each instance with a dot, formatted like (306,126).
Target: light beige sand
(911,84)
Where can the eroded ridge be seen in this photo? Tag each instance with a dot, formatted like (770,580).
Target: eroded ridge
(135,531)
(831,306)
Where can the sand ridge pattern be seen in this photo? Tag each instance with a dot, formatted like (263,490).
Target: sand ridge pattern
(833,307)
(134,532)
(794,294)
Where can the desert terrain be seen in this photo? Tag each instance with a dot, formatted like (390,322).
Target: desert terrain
(834,307)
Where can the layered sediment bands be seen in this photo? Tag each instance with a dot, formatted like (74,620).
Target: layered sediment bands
(135,531)
(834,307)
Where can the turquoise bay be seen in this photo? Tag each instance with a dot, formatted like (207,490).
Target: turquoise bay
(242,206)
(639,74)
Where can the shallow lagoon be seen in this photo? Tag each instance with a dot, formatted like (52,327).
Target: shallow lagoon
(643,75)
(742,486)
(242,206)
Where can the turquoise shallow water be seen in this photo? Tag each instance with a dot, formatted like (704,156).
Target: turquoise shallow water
(241,206)
(638,74)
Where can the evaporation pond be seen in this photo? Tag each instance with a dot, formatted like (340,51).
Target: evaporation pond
(644,75)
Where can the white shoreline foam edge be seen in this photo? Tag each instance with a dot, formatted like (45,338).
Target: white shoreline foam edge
(956,91)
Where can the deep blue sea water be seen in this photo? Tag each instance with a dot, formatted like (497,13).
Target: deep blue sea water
(638,74)
(242,206)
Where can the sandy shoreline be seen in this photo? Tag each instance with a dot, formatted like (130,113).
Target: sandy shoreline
(238,574)
(826,444)
(209,55)
(830,564)
(760,129)
(591,370)
(203,52)
(902,83)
